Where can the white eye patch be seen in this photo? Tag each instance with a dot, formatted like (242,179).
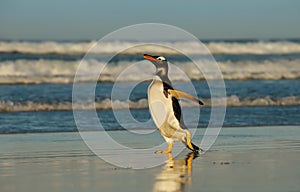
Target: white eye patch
(161,58)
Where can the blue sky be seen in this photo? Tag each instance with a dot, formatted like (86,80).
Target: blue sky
(92,19)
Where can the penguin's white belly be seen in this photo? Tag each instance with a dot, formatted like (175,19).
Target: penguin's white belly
(161,109)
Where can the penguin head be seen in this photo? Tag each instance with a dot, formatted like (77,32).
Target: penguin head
(159,62)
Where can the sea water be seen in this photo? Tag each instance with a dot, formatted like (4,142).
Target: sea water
(262,80)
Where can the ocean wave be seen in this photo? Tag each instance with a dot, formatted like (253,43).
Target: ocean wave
(81,48)
(107,104)
(260,47)
(37,71)
(58,71)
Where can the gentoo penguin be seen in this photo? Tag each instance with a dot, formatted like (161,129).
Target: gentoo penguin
(165,109)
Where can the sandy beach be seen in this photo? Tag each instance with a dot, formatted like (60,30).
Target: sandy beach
(242,159)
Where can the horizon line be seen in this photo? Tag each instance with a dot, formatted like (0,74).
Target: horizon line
(201,39)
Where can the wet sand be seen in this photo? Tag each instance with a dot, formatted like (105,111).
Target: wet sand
(242,159)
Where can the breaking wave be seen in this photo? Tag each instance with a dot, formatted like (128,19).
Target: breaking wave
(59,71)
(232,101)
(81,48)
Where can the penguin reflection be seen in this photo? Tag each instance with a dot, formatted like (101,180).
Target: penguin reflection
(175,174)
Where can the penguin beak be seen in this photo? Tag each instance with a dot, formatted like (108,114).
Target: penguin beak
(149,57)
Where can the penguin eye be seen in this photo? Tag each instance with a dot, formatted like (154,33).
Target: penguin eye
(161,58)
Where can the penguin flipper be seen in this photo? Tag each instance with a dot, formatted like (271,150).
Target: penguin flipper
(181,94)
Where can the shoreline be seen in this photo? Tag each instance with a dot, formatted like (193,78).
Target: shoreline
(240,160)
(147,129)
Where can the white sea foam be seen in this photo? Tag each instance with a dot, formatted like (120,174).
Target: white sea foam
(45,47)
(232,101)
(75,48)
(277,47)
(58,71)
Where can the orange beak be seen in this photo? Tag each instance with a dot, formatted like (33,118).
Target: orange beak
(149,57)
